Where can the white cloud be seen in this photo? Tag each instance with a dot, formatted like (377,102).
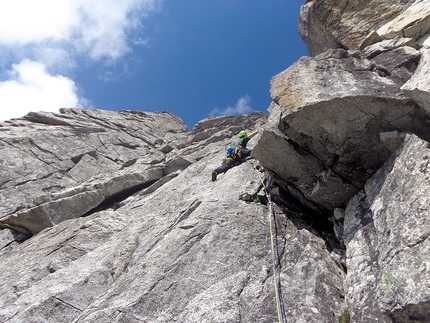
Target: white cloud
(31,88)
(97,28)
(241,107)
(40,42)
(26,21)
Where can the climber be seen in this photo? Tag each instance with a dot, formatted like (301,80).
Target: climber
(232,160)
(241,149)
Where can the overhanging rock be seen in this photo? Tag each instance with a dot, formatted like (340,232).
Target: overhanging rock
(347,24)
(301,173)
(333,108)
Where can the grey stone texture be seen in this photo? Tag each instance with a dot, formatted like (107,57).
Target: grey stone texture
(113,217)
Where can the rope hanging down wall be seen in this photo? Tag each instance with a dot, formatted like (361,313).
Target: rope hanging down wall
(274,246)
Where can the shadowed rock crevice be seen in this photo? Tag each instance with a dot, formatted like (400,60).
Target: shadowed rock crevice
(114,201)
(302,217)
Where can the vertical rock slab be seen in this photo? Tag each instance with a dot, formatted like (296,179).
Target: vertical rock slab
(418,87)
(388,255)
(311,277)
(200,255)
(362,280)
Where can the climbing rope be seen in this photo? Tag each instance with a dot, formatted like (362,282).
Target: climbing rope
(271,215)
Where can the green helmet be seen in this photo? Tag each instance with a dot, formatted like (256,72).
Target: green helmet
(243,134)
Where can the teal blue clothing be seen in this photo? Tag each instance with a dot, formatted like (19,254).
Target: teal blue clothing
(243,142)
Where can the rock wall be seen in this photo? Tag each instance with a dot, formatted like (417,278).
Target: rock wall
(354,25)
(113,217)
(335,120)
(389,250)
(121,223)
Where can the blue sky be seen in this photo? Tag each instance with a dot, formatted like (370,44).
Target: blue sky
(193,58)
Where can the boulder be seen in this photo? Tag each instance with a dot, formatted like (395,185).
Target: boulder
(399,56)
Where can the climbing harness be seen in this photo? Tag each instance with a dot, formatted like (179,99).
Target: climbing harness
(271,216)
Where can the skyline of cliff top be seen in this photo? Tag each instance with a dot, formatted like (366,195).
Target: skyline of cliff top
(194,59)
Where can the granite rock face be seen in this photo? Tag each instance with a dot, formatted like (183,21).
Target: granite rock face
(418,86)
(59,166)
(141,234)
(113,216)
(354,25)
(330,111)
(335,120)
(388,249)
